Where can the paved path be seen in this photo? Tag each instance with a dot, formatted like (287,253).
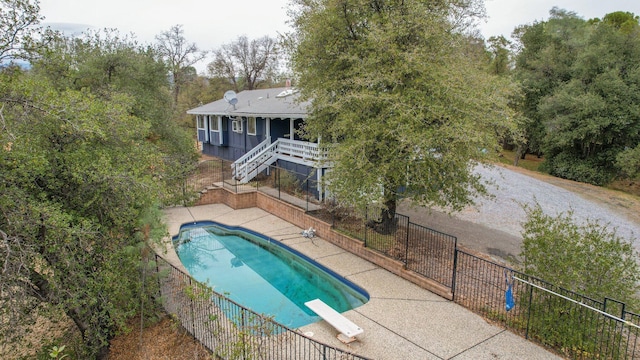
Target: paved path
(400,321)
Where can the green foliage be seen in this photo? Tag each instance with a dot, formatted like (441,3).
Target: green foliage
(110,65)
(628,162)
(397,100)
(571,166)
(20,36)
(87,146)
(57,352)
(76,174)
(586,258)
(580,80)
(501,56)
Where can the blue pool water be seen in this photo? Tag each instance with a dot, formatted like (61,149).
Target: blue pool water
(262,274)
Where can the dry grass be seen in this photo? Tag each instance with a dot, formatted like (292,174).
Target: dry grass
(163,340)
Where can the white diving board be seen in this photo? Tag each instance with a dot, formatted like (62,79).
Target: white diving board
(348,330)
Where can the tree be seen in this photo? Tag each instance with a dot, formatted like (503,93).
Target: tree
(628,162)
(179,55)
(501,57)
(77,177)
(248,61)
(585,261)
(104,62)
(87,154)
(580,80)
(396,100)
(587,258)
(18,29)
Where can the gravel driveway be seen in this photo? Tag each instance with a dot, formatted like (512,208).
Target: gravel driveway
(494,225)
(514,189)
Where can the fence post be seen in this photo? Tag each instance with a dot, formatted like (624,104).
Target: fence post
(242,334)
(366,219)
(406,246)
(455,271)
(193,315)
(526,334)
(222,170)
(235,178)
(158,278)
(307,192)
(184,192)
(278,183)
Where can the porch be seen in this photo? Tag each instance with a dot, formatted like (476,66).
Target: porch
(267,153)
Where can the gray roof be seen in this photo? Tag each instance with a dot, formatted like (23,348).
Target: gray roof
(259,103)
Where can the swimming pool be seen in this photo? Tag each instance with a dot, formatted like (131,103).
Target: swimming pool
(262,274)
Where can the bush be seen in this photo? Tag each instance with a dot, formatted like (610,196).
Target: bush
(586,258)
(590,171)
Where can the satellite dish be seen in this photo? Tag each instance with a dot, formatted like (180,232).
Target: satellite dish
(230,97)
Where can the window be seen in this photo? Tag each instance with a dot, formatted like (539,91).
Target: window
(236,126)
(203,134)
(251,126)
(213,123)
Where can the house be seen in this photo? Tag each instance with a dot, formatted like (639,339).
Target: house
(259,128)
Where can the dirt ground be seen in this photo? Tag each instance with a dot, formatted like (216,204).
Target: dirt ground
(163,341)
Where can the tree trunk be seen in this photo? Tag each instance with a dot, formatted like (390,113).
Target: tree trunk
(388,222)
(521,152)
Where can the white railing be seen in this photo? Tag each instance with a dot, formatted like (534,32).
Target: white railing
(265,154)
(300,149)
(253,152)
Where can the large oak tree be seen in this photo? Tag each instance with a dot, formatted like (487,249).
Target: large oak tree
(400,105)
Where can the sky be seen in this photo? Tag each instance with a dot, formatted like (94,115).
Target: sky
(210,24)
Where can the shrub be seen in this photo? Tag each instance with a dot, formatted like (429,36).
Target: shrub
(587,258)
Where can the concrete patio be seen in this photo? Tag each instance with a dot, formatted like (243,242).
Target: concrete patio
(400,321)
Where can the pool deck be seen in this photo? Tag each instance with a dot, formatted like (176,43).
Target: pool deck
(400,321)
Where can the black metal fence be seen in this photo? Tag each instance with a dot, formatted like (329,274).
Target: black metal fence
(425,251)
(295,187)
(232,331)
(572,324)
(299,188)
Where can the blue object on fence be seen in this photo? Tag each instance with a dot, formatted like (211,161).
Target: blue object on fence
(508,295)
(510,303)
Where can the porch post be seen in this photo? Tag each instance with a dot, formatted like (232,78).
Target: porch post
(291,129)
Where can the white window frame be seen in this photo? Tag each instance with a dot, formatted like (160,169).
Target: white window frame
(201,125)
(250,121)
(213,123)
(236,125)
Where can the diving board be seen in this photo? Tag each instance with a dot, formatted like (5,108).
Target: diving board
(348,330)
